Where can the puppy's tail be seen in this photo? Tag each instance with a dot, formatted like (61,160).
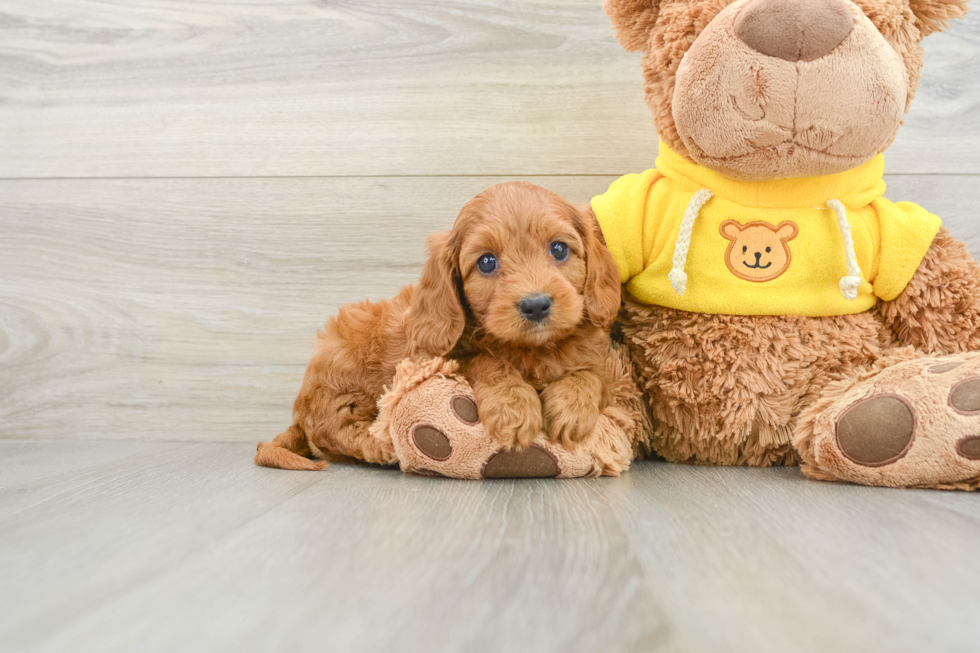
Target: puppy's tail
(290,450)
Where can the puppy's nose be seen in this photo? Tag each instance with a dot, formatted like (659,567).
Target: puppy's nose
(794,30)
(535,307)
(758,255)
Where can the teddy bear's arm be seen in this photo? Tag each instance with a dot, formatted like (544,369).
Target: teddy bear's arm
(939,310)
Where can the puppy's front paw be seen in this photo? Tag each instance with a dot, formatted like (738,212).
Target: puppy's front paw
(569,424)
(512,415)
(570,412)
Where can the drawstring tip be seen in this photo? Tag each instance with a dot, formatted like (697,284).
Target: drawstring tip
(849,287)
(678,281)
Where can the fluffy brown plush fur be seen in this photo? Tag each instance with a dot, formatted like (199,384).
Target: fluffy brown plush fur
(732,389)
(473,316)
(727,389)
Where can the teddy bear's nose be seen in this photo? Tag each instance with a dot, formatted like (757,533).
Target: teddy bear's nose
(794,30)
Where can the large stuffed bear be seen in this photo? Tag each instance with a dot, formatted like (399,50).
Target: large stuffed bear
(780,310)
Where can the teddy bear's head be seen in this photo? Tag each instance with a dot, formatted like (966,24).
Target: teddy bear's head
(770,89)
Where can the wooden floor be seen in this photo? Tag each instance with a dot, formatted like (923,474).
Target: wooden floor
(151,546)
(188,189)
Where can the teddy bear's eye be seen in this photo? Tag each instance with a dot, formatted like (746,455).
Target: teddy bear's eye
(768,249)
(744,249)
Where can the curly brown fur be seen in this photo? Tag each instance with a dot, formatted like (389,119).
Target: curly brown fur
(474,317)
(939,310)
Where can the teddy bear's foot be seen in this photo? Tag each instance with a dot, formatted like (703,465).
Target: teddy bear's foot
(432,420)
(910,421)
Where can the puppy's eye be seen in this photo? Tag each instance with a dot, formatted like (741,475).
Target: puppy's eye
(487,264)
(559,250)
(768,249)
(744,249)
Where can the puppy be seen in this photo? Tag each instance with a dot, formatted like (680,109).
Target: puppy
(522,292)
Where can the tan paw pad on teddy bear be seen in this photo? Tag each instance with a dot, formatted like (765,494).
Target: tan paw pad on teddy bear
(914,423)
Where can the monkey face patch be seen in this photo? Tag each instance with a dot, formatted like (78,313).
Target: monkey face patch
(758,251)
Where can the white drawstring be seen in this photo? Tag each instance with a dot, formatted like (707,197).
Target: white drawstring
(677,276)
(848,284)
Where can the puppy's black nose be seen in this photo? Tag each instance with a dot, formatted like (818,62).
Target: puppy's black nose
(758,255)
(535,307)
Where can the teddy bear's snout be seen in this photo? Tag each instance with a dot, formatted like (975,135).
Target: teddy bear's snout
(794,30)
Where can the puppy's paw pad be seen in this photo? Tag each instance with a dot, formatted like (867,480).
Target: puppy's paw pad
(432,442)
(876,431)
(964,397)
(533,462)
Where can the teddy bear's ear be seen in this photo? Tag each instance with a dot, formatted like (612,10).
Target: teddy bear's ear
(934,15)
(633,20)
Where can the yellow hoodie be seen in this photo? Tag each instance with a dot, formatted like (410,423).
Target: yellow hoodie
(688,238)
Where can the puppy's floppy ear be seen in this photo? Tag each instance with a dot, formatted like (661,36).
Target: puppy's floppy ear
(602,288)
(436,319)
(632,20)
(934,15)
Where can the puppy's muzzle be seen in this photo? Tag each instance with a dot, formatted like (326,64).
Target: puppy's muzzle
(535,308)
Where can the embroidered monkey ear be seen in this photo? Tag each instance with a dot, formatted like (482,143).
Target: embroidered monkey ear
(633,21)
(731,229)
(934,15)
(787,231)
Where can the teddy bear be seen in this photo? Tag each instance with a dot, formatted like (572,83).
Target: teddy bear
(778,309)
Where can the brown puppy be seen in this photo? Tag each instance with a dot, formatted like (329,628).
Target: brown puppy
(522,292)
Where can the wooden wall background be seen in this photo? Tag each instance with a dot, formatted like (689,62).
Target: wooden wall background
(187,189)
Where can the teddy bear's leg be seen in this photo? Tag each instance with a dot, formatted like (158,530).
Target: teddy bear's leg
(909,420)
(431,418)
(727,389)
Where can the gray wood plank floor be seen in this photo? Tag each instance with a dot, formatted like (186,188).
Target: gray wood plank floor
(187,190)
(153,546)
